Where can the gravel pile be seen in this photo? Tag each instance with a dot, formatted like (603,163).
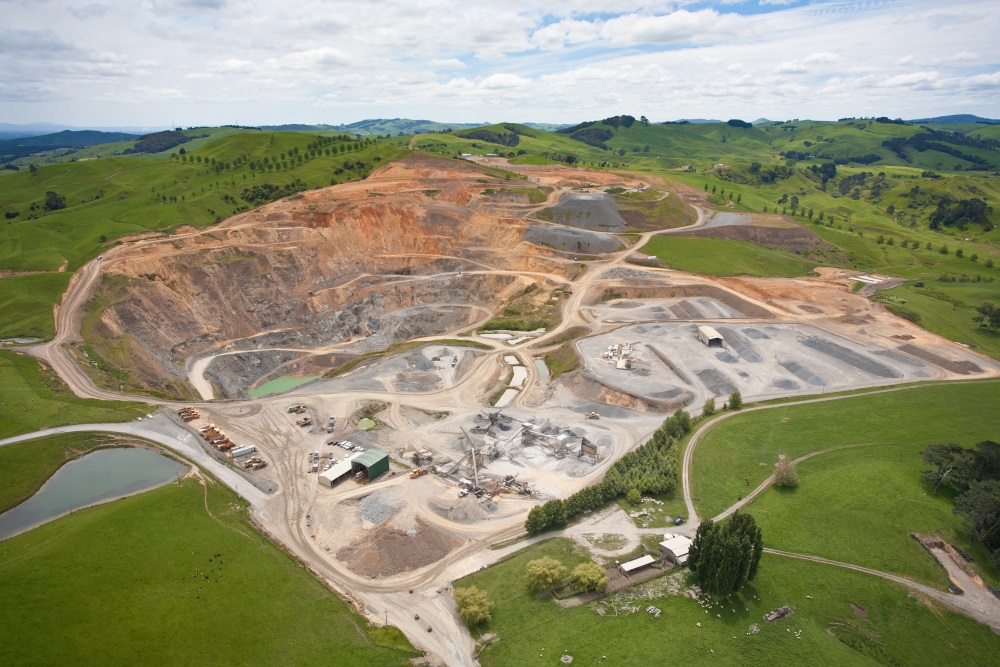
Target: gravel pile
(387,551)
(379,506)
(623,272)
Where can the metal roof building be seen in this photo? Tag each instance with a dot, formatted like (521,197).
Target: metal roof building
(709,336)
(637,564)
(339,469)
(372,461)
(676,547)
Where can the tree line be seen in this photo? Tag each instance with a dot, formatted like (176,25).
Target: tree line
(651,468)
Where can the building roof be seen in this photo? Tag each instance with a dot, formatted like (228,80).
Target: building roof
(339,469)
(642,561)
(370,457)
(677,544)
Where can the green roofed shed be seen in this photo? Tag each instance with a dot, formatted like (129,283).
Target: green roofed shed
(372,461)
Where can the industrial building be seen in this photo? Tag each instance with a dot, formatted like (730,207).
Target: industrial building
(709,336)
(373,462)
(676,548)
(338,470)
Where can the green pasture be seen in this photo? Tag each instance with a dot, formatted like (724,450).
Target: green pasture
(177,575)
(824,630)
(870,490)
(724,257)
(33,397)
(859,506)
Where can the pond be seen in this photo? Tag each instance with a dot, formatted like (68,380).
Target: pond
(98,477)
(543,371)
(279,385)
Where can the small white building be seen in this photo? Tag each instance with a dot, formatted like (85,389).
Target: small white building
(709,336)
(676,547)
(637,564)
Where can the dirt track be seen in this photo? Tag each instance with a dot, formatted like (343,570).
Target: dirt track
(316,523)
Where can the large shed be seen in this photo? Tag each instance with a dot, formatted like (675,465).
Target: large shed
(676,547)
(373,462)
(637,564)
(709,336)
(340,469)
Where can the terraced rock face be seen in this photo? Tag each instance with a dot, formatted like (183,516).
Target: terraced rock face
(411,251)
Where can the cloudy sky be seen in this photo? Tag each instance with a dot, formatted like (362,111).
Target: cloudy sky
(208,62)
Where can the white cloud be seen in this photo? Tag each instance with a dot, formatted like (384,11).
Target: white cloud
(500,81)
(342,60)
(447,63)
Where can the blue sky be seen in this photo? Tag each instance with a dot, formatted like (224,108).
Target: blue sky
(194,62)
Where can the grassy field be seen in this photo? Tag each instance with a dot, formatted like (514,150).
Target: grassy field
(722,257)
(899,629)
(32,398)
(859,504)
(731,451)
(156,579)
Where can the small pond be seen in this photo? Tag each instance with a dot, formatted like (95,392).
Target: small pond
(279,385)
(95,478)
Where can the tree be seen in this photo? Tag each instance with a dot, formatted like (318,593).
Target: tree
(785,474)
(735,400)
(708,409)
(474,606)
(987,315)
(53,202)
(546,573)
(633,496)
(981,507)
(33,168)
(725,557)
(952,463)
(589,577)
(987,457)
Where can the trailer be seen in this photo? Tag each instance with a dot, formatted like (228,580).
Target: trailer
(242,451)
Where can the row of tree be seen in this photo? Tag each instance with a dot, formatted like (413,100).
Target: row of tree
(651,468)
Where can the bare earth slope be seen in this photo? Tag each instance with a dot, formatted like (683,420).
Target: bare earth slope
(330,266)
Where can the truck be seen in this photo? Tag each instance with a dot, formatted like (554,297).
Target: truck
(237,452)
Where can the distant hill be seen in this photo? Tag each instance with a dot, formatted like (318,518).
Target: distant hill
(548,127)
(396,126)
(957,119)
(373,126)
(22,146)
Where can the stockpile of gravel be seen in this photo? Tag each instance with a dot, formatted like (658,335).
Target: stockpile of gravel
(380,505)
(387,551)
(625,273)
